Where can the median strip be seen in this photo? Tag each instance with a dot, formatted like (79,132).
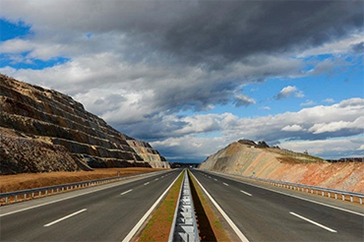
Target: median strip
(313,222)
(216,225)
(65,217)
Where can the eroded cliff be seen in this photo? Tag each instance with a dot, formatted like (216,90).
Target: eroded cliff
(44,130)
(251,159)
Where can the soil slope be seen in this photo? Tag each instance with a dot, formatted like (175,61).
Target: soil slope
(249,159)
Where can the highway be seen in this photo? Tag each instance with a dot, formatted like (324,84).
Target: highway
(100,215)
(263,215)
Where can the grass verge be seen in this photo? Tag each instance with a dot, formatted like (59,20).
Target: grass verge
(159,225)
(209,222)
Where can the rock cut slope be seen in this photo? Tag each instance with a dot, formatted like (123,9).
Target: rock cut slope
(44,130)
(247,158)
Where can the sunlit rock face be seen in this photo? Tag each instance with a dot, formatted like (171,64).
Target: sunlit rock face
(248,158)
(43,130)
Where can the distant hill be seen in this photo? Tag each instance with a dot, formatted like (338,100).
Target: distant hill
(44,130)
(248,158)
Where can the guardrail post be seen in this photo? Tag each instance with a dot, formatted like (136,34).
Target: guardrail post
(32,194)
(62,189)
(329,195)
(6,199)
(16,198)
(46,192)
(322,193)
(361,200)
(351,199)
(40,193)
(335,195)
(25,196)
(343,197)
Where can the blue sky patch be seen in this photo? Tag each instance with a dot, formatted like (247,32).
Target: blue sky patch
(9,30)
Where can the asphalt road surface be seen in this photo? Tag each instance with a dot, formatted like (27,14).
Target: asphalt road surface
(103,215)
(263,215)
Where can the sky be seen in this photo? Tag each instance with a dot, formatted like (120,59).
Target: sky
(190,77)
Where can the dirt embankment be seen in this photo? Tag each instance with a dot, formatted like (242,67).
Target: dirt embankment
(283,165)
(17,182)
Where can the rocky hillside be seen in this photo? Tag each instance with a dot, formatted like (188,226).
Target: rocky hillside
(44,130)
(250,159)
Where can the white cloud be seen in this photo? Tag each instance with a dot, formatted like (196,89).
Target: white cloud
(292,128)
(289,91)
(308,103)
(319,128)
(343,147)
(243,100)
(306,127)
(329,100)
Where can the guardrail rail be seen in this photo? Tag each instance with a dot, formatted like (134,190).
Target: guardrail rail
(21,195)
(184,226)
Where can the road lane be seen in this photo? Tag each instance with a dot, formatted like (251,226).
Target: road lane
(108,215)
(265,216)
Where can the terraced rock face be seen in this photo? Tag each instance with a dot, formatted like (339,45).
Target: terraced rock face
(44,130)
(250,159)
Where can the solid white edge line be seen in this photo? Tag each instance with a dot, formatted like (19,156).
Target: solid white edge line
(110,185)
(146,215)
(246,193)
(65,217)
(290,195)
(313,222)
(225,184)
(123,193)
(230,222)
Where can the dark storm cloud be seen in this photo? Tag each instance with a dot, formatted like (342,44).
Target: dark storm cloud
(218,32)
(204,32)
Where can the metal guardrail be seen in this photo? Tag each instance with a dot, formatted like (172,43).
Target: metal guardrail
(184,226)
(50,190)
(307,188)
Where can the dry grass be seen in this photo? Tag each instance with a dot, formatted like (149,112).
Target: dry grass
(9,183)
(295,157)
